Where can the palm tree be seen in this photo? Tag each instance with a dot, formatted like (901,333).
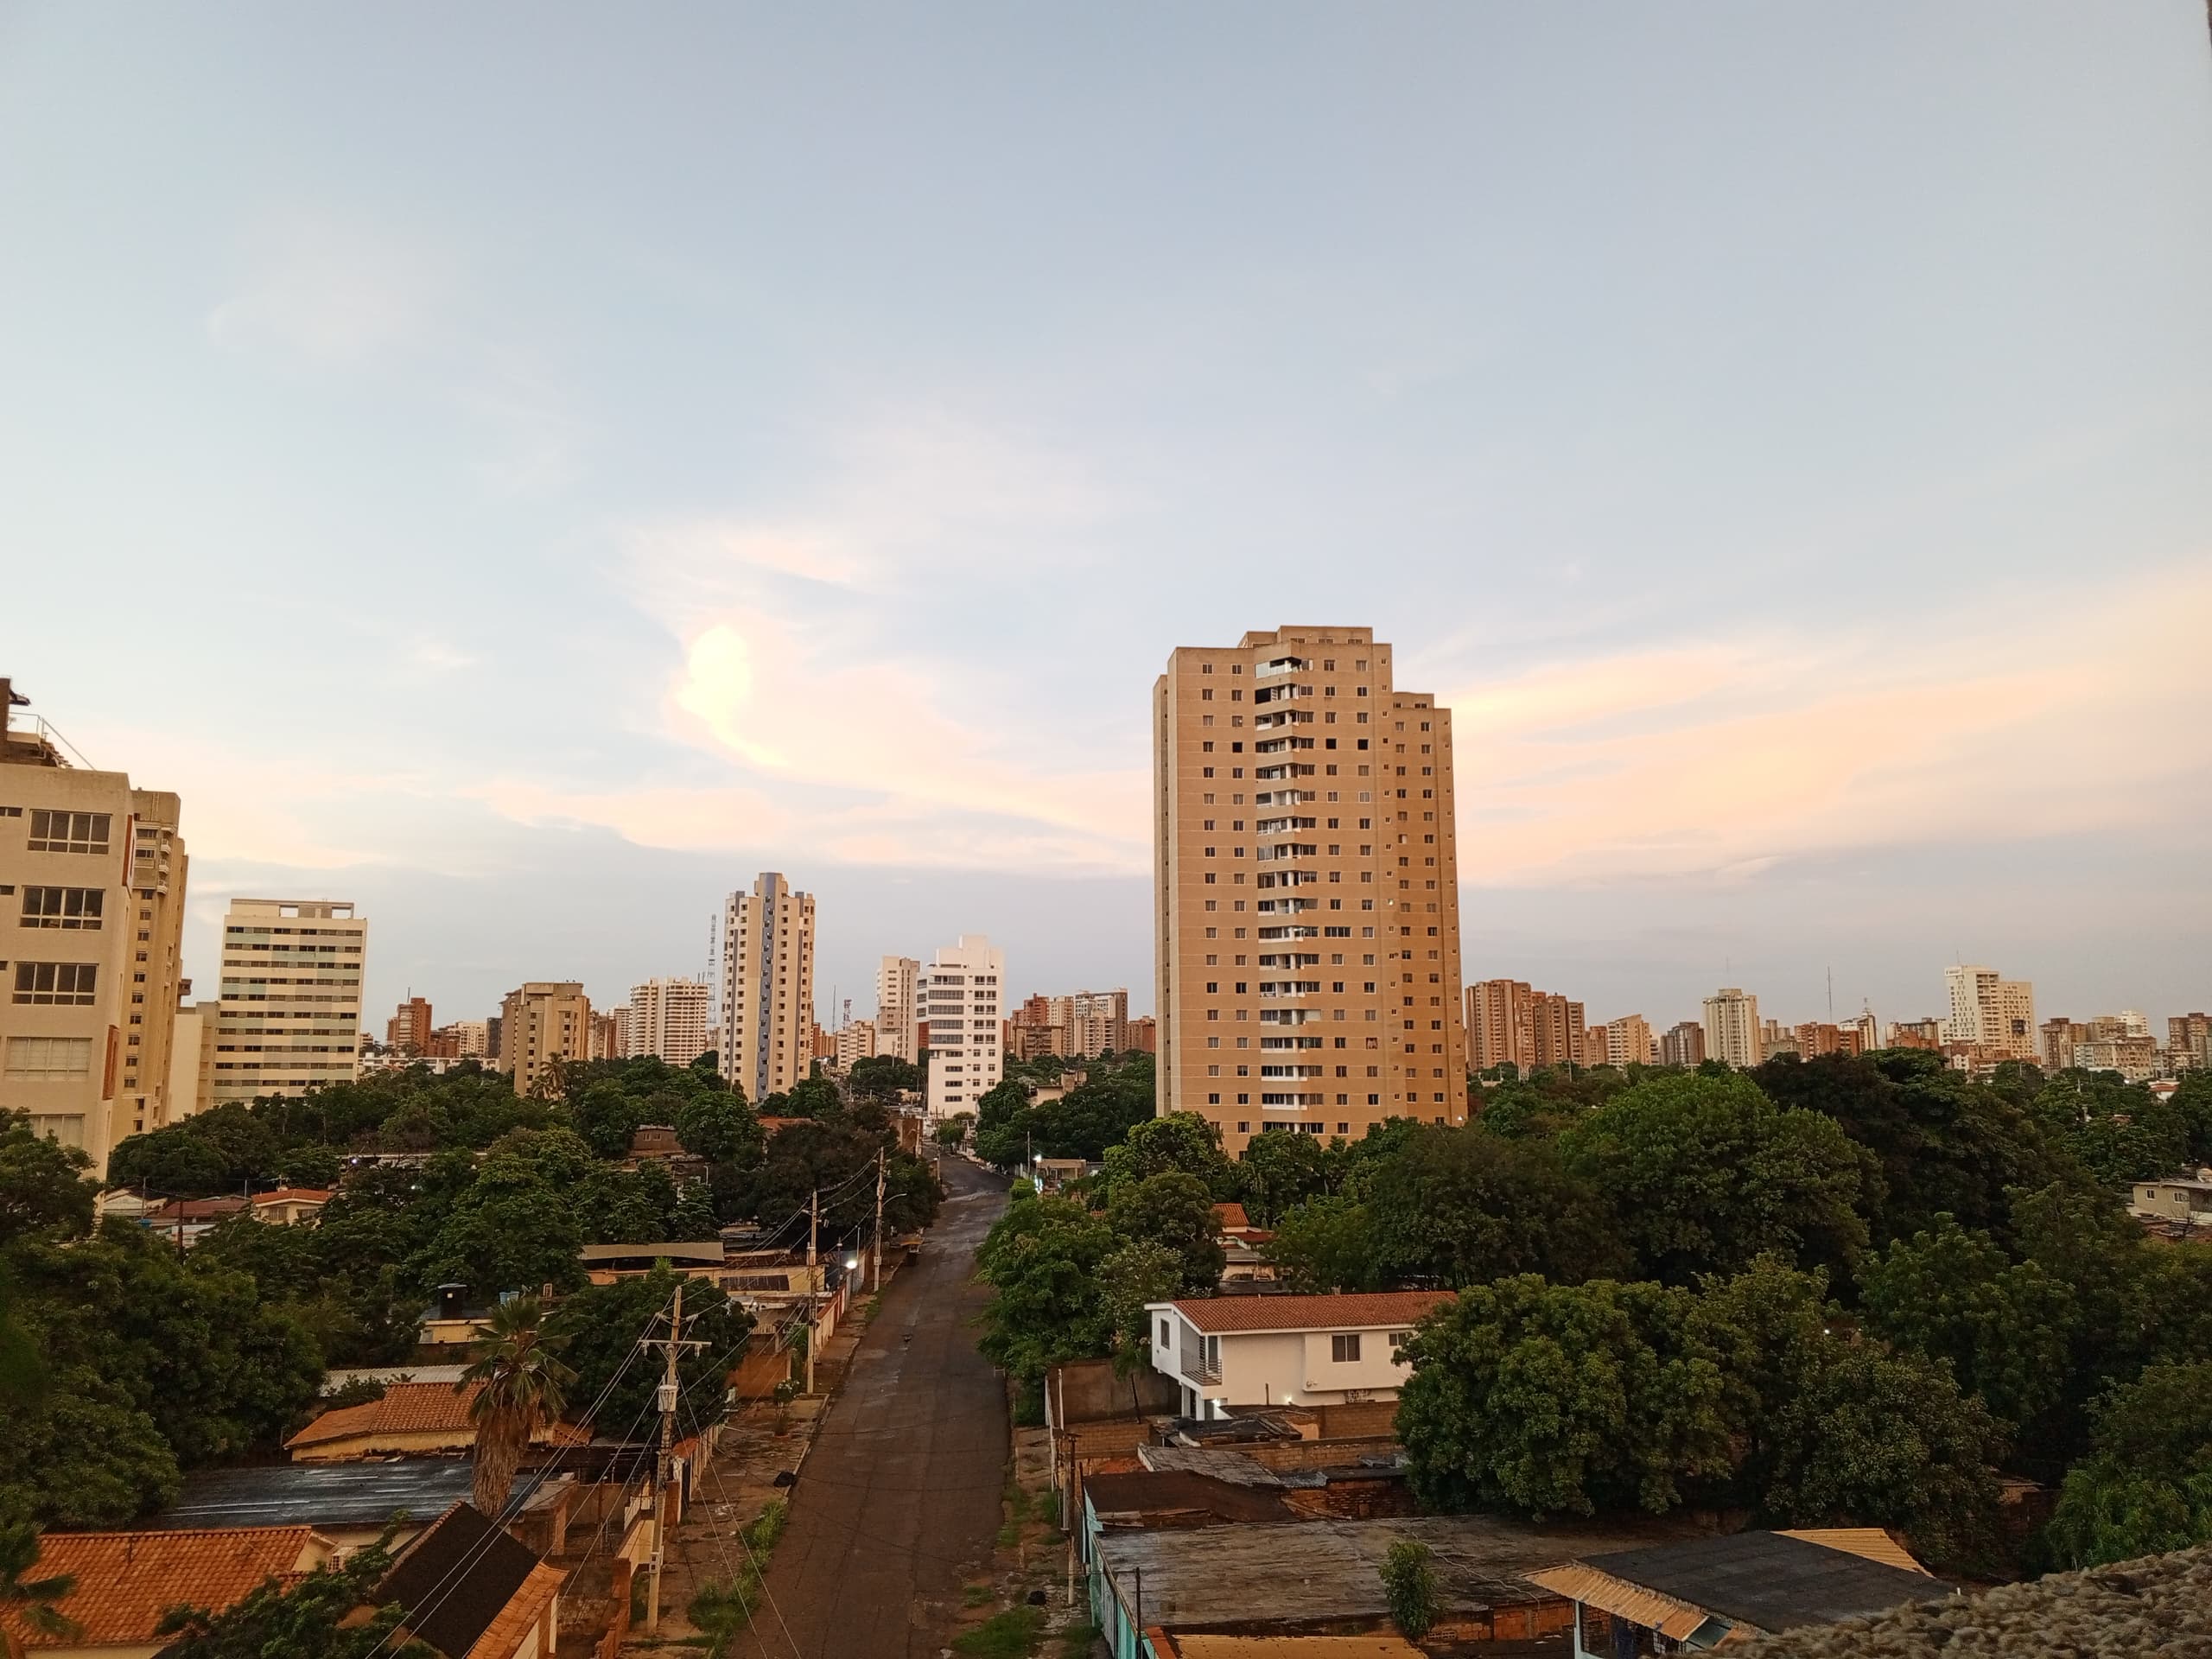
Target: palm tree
(29,1603)
(525,1387)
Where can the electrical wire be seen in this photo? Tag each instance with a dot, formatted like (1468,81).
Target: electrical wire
(745,1544)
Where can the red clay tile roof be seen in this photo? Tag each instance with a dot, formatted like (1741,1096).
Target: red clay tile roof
(127,1580)
(293,1195)
(1230,1218)
(1216,1315)
(406,1408)
(505,1633)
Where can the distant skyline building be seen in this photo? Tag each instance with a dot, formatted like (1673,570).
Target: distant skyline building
(1628,1041)
(668,1018)
(409,1029)
(542,1023)
(92,902)
(767,990)
(289,1018)
(1682,1045)
(898,1007)
(1306,889)
(854,1042)
(1511,1024)
(1733,1034)
(965,991)
(1989,1012)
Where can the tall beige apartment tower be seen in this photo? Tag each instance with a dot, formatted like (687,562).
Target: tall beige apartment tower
(1990,1010)
(1733,1033)
(543,1021)
(898,1007)
(91,910)
(1307,889)
(668,1017)
(768,1036)
(289,1014)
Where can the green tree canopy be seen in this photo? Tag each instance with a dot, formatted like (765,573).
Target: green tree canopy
(2147,1486)
(317,1616)
(1042,1260)
(1137,1273)
(1465,1206)
(2119,1131)
(1279,1172)
(43,1186)
(1705,1173)
(1174,1210)
(1325,1245)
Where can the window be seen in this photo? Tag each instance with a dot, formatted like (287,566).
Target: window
(63,908)
(65,983)
(68,832)
(1344,1349)
(1166,1334)
(49,1059)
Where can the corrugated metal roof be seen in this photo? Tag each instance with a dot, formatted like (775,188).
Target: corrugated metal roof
(1221,1315)
(1621,1599)
(1290,1647)
(1870,1542)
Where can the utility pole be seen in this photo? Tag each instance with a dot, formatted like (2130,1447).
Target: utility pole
(813,1223)
(664,1462)
(879,1220)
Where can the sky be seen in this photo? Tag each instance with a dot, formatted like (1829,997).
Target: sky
(527,468)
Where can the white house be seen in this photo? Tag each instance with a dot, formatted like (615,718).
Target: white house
(2177,1197)
(1243,1351)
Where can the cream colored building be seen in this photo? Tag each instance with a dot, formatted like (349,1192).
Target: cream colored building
(668,1017)
(542,1023)
(472,1038)
(191,1058)
(91,908)
(1990,1011)
(767,987)
(1096,1021)
(856,1041)
(1733,1033)
(1629,1041)
(898,1006)
(965,1003)
(1307,889)
(290,1018)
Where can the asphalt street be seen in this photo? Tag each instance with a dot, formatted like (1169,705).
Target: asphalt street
(898,1503)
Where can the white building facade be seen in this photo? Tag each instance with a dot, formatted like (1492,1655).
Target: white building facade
(289,1014)
(1991,1010)
(898,1006)
(668,1018)
(1731,1029)
(1229,1352)
(965,1002)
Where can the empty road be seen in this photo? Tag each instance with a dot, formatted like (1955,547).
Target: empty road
(897,1505)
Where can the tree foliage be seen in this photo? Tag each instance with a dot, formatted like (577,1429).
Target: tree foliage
(1173,1210)
(320,1615)
(1042,1261)
(2147,1486)
(1465,1206)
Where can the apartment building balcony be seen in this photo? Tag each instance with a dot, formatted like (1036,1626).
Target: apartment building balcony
(1285,798)
(1281,770)
(1286,906)
(1291,959)
(1275,990)
(1292,1071)
(1278,665)
(1288,1017)
(1296,932)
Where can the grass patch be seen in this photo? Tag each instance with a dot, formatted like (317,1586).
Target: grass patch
(1013,1634)
(768,1526)
(1076,1640)
(975,1595)
(724,1607)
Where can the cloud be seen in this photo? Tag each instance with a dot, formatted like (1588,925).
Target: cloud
(332,294)
(2072,713)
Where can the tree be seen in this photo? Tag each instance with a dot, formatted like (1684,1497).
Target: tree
(1042,1259)
(1705,1173)
(2079,1236)
(43,1186)
(30,1602)
(2004,1328)
(2147,1487)
(1553,1399)
(1410,1587)
(84,1455)
(1180,1142)
(522,1387)
(1134,1277)
(1326,1245)
(1465,1206)
(1175,1210)
(882,1077)
(2192,1103)
(1279,1171)
(2120,1131)
(615,1381)
(718,1127)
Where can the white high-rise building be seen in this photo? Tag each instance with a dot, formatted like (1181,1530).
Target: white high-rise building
(290,1014)
(898,1007)
(964,993)
(1990,1011)
(669,1019)
(767,1013)
(1731,1029)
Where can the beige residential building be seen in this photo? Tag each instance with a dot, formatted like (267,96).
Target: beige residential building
(290,1018)
(1509,1024)
(856,1041)
(2189,1041)
(1733,1034)
(469,1040)
(1629,1041)
(409,1030)
(1990,1012)
(192,1057)
(964,988)
(542,1023)
(767,988)
(92,903)
(1307,889)
(2056,1040)
(1096,1021)
(668,1017)
(898,1007)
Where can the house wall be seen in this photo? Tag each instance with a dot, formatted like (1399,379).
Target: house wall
(363,1446)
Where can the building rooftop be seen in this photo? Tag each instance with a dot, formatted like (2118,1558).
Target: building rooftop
(1313,1572)
(127,1580)
(2160,1605)
(325,1495)
(1392,1309)
(456,1579)
(406,1408)
(1768,1581)
(710,1251)
(1184,1644)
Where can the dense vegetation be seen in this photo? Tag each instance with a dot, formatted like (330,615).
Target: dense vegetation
(1857,1288)
(125,1361)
